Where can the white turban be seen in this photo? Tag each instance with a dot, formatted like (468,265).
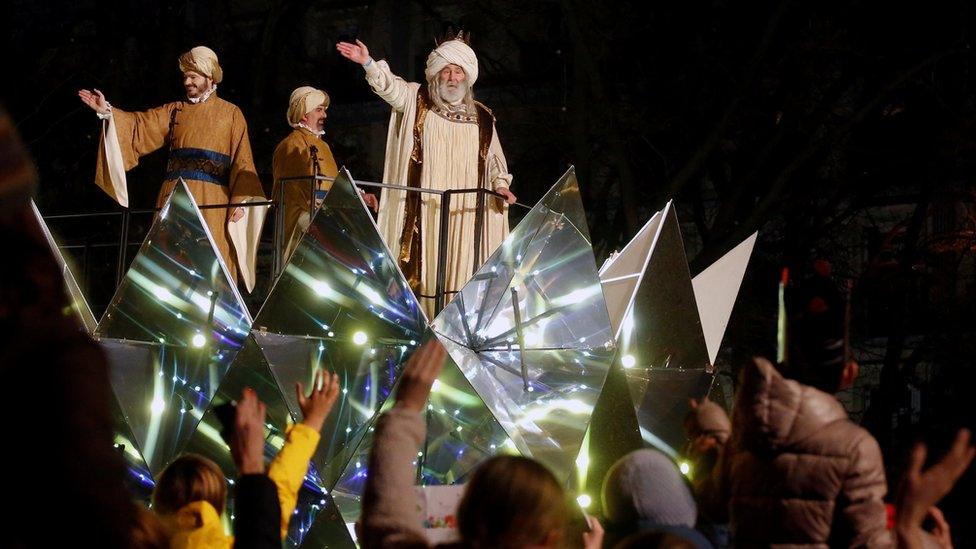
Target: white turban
(303,101)
(453,52)
(203,60)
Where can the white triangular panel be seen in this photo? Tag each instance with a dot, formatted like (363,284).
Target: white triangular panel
(715,290)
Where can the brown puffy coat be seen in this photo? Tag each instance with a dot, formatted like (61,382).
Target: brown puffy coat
(797,471)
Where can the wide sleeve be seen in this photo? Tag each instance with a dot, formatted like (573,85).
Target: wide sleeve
(388,515)
(497,166)
(862,519)
(244,182)
(288,468)
(391,88)
(126,137)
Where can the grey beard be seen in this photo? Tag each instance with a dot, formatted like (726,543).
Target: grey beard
(452,95)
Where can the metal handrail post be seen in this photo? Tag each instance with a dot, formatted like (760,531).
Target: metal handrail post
(479,219)
(279,235)
(123,244)
(445,217)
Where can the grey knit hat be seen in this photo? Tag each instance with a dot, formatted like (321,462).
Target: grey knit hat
(646,486)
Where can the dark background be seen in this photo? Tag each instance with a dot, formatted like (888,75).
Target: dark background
(842,130)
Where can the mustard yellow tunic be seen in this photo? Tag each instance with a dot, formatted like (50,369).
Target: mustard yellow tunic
(293,158)
(208,147)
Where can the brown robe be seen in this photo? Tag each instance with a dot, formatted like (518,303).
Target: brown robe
(208,147)
(293,158)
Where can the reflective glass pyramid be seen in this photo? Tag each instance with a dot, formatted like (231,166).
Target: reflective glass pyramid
(171,331)
(250,369)
(530,330)
(664,353)
(78,302)
(461,434)
(341,304)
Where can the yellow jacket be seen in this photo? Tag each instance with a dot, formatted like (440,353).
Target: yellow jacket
(198,525)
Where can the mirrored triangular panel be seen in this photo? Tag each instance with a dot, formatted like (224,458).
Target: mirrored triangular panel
(171,330)
(531,333)
(250,369)
(341,304)
(461,434)
(78,302)
(661,335)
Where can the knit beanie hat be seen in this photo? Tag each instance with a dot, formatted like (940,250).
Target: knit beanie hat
(646,486)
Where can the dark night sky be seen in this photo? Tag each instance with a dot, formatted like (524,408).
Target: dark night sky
(840,129)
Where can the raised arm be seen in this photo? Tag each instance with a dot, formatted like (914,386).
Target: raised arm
(389,498)
(393,89)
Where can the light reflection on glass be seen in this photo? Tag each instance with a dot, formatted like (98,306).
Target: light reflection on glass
(341,304)
(531,333)
(177,288)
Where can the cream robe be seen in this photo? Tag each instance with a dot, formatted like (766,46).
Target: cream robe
(210,129)
(450,162)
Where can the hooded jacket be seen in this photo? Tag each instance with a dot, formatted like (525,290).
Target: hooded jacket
(797,472)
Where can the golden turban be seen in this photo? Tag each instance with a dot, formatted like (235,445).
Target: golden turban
(303,101)
(203,60)
(453,52)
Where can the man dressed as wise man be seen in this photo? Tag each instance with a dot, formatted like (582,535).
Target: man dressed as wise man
(298,158)
(208,148)
(439,138)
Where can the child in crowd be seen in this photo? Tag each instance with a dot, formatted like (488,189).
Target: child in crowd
(191,491)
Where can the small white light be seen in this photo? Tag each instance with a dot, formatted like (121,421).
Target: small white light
(628,361)
(685,468)
(198,340)
(359,338)
(584,501)
(413,342)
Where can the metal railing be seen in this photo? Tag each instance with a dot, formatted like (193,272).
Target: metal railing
(278,243)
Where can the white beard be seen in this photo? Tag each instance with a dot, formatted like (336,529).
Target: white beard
(452,95)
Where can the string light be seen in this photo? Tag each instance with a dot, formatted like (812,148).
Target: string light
(359,338)
(198,340)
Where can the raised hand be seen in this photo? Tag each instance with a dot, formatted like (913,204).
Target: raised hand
(247,444)
(357,52)
(317,405)
(370,200)
(95,100)
(921,490)
(419,374)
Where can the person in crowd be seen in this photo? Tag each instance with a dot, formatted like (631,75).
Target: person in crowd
(191,491)
(509,501)
(645,492)
(58,376)
(796,470)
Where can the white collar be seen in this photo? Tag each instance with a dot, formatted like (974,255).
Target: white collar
(204,97)
(317,133)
